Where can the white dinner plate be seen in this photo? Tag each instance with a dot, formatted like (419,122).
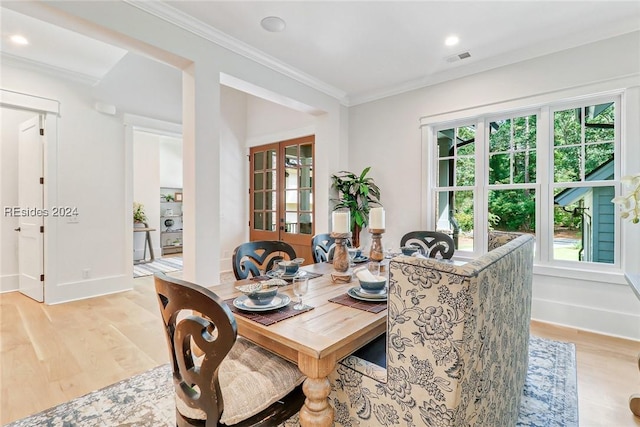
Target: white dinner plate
(357,293)
(244,303)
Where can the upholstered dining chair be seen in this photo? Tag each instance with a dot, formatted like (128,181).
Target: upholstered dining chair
(433,243)
(322,246)
(220,378)
(456,348)
(251,257)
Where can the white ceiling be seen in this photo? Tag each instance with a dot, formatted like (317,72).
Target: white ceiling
(356,51)
(368,49)
(58,48)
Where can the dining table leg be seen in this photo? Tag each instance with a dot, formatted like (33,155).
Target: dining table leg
(316,411)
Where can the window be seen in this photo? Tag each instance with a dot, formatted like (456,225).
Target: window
(455,184)
(583,168)
(550,172)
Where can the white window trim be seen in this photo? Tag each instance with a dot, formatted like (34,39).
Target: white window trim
(544,264)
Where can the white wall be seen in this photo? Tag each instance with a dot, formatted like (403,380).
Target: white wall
(385,134)
(202,62)
(234,200)
(248,121)
(146,188)
(170,162)
(269,122)
(89,176)
(11,120)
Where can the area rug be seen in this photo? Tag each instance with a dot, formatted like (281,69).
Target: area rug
(160,265)
(549,398)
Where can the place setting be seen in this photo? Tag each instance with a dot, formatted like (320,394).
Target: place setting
(371,294)
(263,303)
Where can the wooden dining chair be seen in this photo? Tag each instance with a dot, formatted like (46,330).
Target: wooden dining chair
(220,378)
(322,246)
(433,243)
(251,257)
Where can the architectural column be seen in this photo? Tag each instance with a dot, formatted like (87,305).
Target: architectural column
(201,173)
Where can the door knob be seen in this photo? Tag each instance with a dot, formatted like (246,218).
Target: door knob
(16,229)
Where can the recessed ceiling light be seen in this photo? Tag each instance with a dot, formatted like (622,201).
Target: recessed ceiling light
(451,40)
(18,39)
(273,24)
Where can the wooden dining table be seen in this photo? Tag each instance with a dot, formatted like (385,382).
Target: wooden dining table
(316,339)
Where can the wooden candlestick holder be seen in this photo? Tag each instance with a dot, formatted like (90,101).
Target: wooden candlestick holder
(377,252)
(340,254)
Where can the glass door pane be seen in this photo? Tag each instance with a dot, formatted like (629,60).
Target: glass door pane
(263,191)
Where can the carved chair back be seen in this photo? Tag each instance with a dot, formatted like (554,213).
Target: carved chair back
(433,243)
(251,257)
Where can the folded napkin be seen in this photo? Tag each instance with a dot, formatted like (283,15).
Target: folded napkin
(363,273)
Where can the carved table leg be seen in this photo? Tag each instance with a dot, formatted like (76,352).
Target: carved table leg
(316,411)
(634,399)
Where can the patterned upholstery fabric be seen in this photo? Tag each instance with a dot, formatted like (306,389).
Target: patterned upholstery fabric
(457,345)
(251,379)
(499,238)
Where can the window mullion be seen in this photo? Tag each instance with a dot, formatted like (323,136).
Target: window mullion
(481,214)
(544,174)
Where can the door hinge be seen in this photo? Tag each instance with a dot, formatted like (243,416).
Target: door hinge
(42,228)
(42,277)
(41,132)
(41,180)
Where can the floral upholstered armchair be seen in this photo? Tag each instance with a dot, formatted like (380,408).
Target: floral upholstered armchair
(456,348)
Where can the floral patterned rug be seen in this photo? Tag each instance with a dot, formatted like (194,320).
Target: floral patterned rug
(549,397)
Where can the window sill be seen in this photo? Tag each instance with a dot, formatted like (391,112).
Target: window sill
(602,275)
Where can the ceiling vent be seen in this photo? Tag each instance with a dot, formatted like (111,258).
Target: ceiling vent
(458,57)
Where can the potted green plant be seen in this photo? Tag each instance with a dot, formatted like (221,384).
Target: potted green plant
(356,193)
(168,197)
(139,216)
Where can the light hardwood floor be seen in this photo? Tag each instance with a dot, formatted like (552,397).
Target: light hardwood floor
(53,353)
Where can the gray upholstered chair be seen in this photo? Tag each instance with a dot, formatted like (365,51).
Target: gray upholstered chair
(220,378)
(499,238)
(434,244)
(456,345)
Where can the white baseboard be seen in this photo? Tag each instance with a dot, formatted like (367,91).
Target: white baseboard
(9,283)
(618,324)
(225,265)
(72,291)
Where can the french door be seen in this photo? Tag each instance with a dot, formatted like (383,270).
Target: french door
(281,193)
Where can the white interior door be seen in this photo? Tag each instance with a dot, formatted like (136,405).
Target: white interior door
(30,201)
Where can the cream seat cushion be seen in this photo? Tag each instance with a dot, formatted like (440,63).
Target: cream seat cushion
(251,379)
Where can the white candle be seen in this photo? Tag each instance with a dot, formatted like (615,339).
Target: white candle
(376,218)
(341,222)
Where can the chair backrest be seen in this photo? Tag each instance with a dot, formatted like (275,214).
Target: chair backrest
(470,329)
(433,243)
(322,247)
(499,238)
(196,322)
(250,257)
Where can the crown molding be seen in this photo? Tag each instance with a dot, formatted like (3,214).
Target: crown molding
(207,32)
(29,64)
